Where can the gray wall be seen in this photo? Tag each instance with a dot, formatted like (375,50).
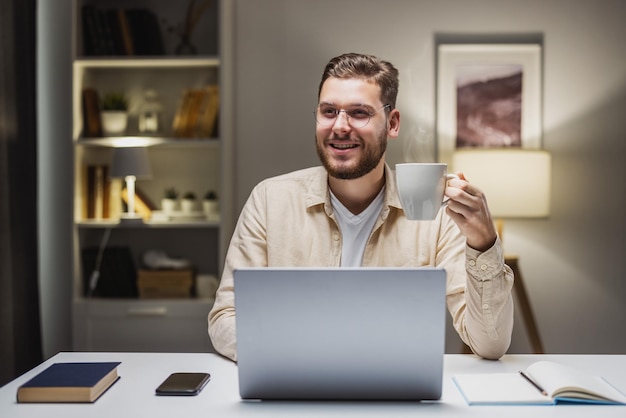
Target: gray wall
(573,262)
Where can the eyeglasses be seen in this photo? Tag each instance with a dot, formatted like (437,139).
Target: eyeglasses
(357,116)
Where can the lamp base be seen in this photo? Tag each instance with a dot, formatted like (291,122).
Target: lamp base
(130,219)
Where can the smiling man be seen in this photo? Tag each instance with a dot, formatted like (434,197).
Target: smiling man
(347,213)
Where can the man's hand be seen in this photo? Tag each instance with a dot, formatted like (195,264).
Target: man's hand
(468,208)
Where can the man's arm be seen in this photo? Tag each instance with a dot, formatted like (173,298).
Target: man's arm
(248,247)
(484,316)
(222,319)
(484,319)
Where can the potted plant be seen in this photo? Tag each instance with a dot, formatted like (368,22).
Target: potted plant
(210,204)
(188,203)
(169,203)
(114,114)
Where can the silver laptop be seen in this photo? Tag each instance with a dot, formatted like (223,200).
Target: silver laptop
(340,333)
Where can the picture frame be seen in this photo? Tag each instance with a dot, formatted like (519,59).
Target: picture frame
(488,95)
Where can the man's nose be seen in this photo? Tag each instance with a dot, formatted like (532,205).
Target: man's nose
(342,122)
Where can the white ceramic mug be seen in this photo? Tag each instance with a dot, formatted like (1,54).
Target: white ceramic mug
(421,187)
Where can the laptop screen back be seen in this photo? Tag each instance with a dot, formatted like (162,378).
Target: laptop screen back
(340,333)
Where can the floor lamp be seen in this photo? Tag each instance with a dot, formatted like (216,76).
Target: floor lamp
(516,183)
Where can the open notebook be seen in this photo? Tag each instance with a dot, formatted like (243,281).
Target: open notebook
(560,382)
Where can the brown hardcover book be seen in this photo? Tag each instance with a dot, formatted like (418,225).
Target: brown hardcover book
(193,113)
(99,192)
(106,192)
(115,198)
(90,192)
(92,125)
(69,382)
(82,193)
(126,33)
(210,111)
(178,125)
(141,195)
(96,199)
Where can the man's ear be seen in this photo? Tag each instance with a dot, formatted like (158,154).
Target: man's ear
(393,120)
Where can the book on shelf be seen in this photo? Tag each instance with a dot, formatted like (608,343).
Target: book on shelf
(92,43)
(97,187)
(179,122)
(92,124)
(69,382)
(113,19)
(125,34)
(187,113)
(100,194)
(160,216)
(145,32)
(193,112)
(105,32)
(197,113)
(115,197)
(209,112)
(542,383)
(120,31)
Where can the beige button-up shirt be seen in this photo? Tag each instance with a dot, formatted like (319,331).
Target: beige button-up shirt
(288,221)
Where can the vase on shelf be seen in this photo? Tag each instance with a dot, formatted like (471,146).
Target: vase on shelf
(114,115)
(210,205)
(114,122)
(188,203)
(169,203)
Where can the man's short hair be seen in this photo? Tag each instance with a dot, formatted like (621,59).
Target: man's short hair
(367,67)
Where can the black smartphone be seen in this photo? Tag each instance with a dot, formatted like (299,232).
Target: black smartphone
(183,384)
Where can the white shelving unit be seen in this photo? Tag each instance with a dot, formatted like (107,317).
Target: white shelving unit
(188,164)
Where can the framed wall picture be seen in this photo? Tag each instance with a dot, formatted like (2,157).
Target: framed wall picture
(488,95)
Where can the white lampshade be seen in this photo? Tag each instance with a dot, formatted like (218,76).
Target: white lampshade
(515,181)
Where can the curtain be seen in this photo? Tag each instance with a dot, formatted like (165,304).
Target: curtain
(20,334)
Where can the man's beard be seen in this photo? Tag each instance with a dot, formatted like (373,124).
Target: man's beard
(368,161)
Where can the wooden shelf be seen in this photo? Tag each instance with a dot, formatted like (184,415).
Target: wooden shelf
(173,61)
(148,141)
(148,224)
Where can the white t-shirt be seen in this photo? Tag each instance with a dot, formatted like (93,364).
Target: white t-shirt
(356,229)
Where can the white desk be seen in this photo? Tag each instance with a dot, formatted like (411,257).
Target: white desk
(133,394)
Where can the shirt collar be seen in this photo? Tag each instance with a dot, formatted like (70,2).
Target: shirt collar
(391,191)
(318,193)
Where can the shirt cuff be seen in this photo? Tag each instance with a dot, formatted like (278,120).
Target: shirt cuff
(485,265)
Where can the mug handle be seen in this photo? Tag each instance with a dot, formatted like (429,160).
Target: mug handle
(449,176)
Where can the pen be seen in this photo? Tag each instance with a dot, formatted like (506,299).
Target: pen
(532,382)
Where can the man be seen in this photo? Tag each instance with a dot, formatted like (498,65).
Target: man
(347,213)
